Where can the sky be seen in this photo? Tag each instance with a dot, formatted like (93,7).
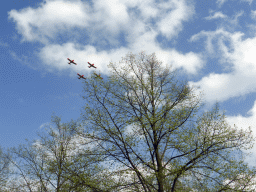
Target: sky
(211,43)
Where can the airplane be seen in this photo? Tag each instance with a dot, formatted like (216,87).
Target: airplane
(80,76)
(91,65)
(71,61)
(98,76)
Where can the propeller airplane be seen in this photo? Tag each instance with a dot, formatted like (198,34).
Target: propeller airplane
(91,65)
(71,61)
(80,76)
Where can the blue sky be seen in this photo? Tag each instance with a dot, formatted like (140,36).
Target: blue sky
(211,43)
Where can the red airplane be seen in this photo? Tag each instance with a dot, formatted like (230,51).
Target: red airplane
(98,76)
(71,61)
(80,76)
(91,65)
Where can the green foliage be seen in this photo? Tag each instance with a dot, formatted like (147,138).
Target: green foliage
(52,163)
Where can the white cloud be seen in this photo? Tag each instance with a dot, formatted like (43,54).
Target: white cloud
(253,14)
(243,123)
(49,19)
(104,21)
(221,2)
(216,16)
(240,81)
(170,23)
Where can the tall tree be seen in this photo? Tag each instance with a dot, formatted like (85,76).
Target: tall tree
(54,163)
(143,97)
(82,172)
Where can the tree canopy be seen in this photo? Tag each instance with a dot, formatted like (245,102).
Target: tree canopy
(142,117)
(56,162)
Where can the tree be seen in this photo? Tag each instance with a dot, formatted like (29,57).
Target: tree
(83,172)
(53,163)
(4,169)
(143,97)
